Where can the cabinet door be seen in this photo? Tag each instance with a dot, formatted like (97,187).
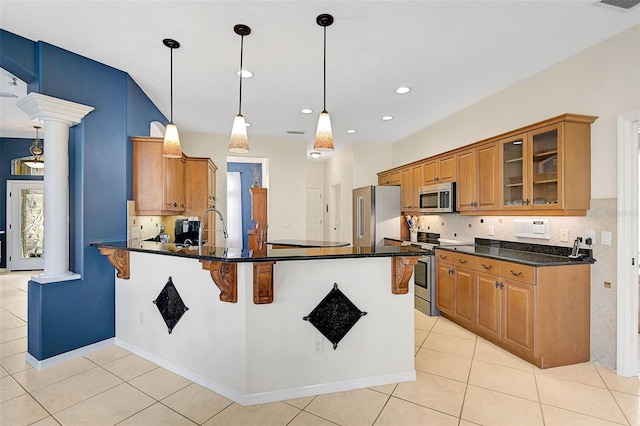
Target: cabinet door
(546,167)
(514,178)
(447,171)
(463,296)
(430,172)
(487,315)
(174,181)
(411,180)
(383,178)
(487,178)
(395,177)
(444,288)
(416,172)
(517,316)
(466,185)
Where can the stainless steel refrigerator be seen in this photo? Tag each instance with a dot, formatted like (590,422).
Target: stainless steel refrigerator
(376,214)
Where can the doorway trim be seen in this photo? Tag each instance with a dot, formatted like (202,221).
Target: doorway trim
(627,247)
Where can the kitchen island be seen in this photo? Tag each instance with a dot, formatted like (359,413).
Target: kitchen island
(269,325)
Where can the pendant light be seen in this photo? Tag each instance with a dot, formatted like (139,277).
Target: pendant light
(171,147)
(324,136)
(239,142)
(37,159)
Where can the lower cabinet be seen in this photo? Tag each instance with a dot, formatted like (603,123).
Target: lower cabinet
(541,314)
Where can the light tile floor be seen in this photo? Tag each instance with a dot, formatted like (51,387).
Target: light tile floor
(462,380)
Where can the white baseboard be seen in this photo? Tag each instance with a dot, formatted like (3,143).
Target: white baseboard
(67,356)
(264,397)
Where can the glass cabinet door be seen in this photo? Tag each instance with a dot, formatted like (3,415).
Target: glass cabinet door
(513,172)
(545,165)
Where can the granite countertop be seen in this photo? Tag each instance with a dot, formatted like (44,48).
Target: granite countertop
(526,254)
(307,243)
(244,255)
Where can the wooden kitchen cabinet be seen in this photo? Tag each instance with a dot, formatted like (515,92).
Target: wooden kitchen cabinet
(392,177)
(477,178)
(439,170)
(200,176)
(410,185)
(548,168)
(541,314)
(455,279)
(158,182)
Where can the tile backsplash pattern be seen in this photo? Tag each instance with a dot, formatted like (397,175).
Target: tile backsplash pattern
(147,226)
(601,217)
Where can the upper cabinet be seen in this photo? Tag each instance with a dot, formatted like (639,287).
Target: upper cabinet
(541,169)
(477,184)
(158,182)
(392,177)
(440,169)
(410,186)
(201,183)
(548,168)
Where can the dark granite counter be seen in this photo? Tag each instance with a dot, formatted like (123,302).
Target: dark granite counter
(523,253)
(306,243)
(223,254)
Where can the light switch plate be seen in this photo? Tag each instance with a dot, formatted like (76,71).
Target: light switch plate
(605,238)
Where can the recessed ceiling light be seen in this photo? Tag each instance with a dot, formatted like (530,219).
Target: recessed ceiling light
(315,154)
(351,131)
(402,90)
(306,110)
(387,118)
(244,73)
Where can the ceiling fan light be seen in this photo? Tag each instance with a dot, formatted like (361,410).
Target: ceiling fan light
(239,142)
(324,135)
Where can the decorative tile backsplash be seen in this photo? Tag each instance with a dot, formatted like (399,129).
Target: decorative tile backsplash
(146,226)
(601,217)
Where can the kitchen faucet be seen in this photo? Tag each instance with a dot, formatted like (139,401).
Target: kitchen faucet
(224,227)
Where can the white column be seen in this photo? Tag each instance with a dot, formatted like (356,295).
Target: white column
(58,116)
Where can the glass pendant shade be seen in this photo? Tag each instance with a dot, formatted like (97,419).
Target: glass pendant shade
(239,142)
(171,147)
(324,135)
(36,161)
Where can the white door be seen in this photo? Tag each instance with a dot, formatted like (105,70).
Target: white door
(25,225)
(335,222)
(314,214)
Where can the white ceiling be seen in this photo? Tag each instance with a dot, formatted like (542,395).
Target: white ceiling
(450,53)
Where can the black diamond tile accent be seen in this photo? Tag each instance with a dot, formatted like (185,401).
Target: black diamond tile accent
(334,316)
(170,305)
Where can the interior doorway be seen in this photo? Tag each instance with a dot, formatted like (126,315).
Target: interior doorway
(314,214)
(25,225)
(335,217)
(628,183)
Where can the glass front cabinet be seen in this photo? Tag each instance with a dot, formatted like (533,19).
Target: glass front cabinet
(548,169)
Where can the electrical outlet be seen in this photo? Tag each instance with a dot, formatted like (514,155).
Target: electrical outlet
(607,284)
(564,235)
(590,233)
(135,233)
(141,317)
(317,345)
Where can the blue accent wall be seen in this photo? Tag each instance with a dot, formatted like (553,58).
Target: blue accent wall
(68,315)
(10,148)
(246,180)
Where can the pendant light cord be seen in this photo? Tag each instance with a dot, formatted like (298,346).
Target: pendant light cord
(241,51)
(324,100)
(171,85)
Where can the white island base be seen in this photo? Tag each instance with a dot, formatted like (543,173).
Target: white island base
(261,353)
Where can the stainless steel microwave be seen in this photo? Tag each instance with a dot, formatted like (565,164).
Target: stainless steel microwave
(439,198)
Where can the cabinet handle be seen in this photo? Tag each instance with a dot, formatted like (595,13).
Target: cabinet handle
(487,267)
(175,204)
(497,284)
(527,202)
(451,271)
(517,274)
(442,256)
(501,285)
(462,261)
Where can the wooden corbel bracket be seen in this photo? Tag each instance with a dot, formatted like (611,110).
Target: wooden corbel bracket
(401,270)
(224,275)
(263,282)
(119,259)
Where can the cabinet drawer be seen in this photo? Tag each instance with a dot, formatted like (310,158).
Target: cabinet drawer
(516,271)
(463,260)
(444,256)
(489,266)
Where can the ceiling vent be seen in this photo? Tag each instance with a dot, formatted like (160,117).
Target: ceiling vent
(622,4)
(301,132)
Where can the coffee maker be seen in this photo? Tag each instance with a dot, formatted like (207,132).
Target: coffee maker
(187,229)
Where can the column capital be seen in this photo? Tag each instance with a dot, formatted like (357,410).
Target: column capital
(43,107)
